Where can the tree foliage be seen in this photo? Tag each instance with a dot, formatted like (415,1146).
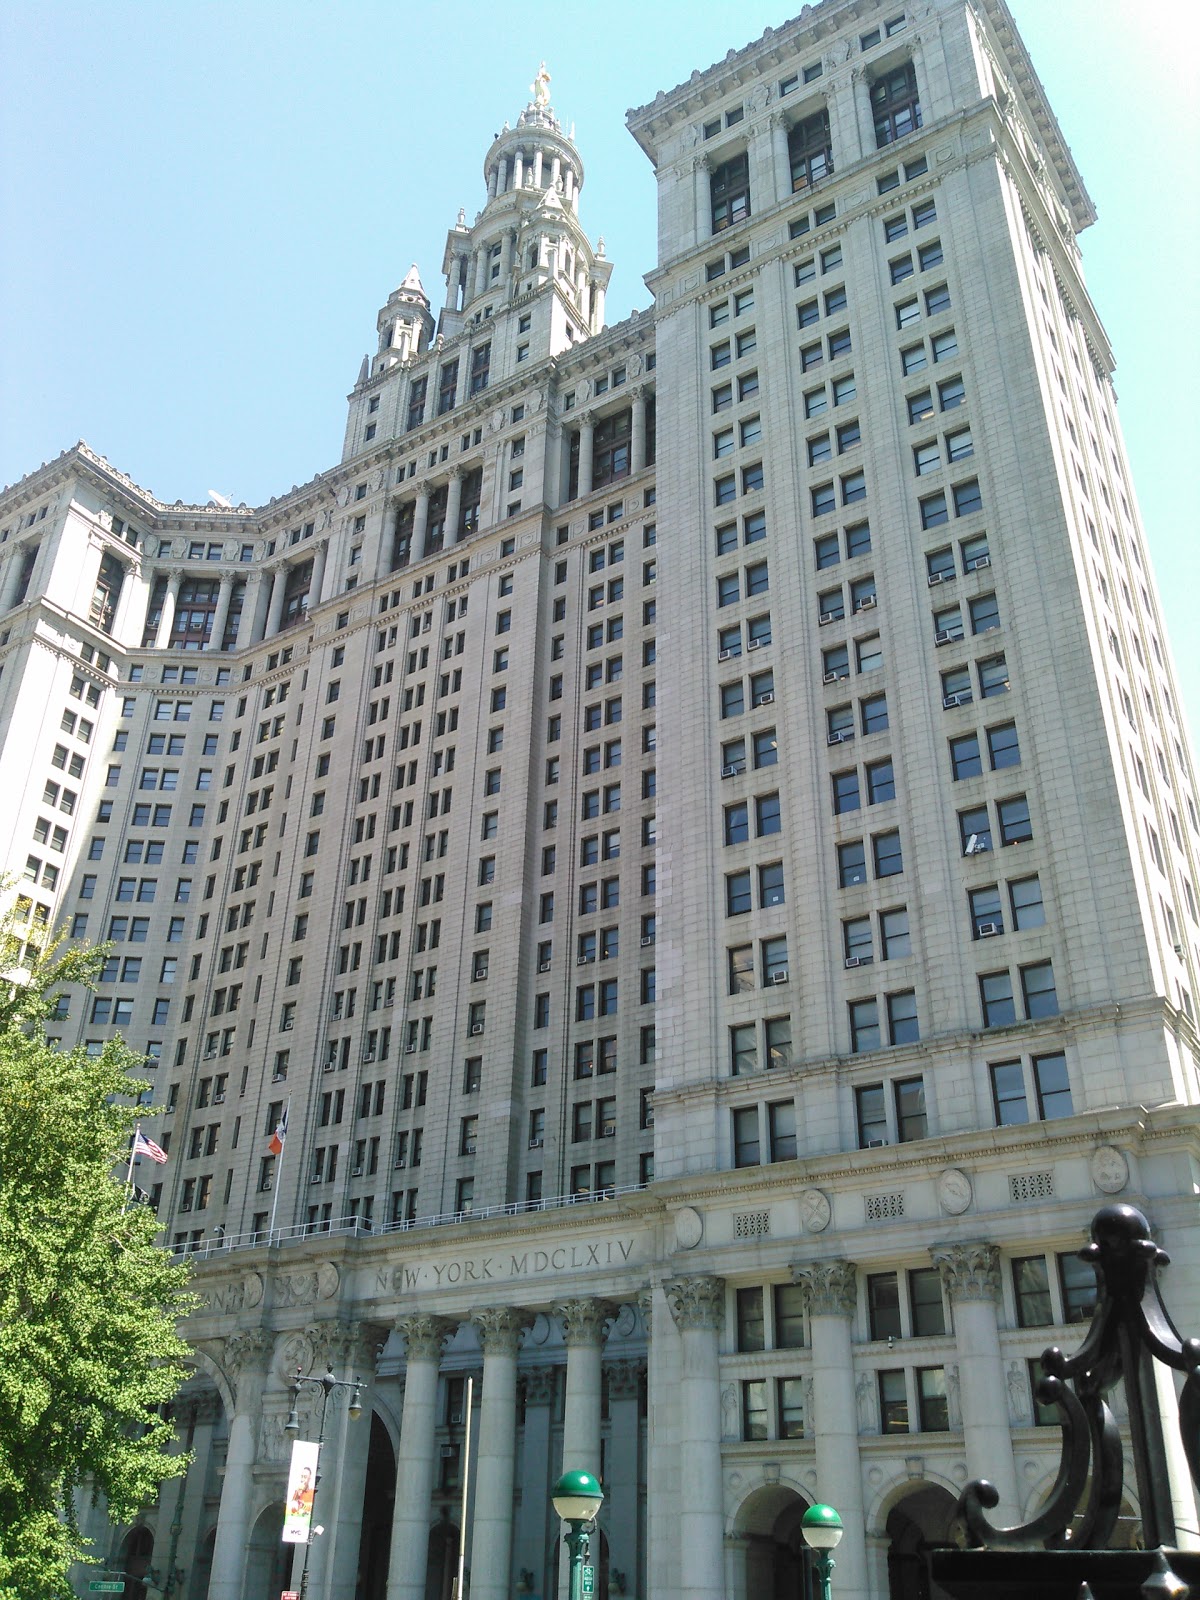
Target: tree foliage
(88,1301)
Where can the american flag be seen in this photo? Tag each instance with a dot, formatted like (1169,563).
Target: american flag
(147,1147)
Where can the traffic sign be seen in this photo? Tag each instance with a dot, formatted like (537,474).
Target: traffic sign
(588,1585)
(104,1586)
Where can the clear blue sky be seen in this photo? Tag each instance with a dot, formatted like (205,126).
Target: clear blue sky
(203,205)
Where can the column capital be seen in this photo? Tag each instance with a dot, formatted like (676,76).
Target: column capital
(541,1385)
(696,1302)
(585,1322)
(970,1270)
(246,1356)
(346,1344)
(425,1335)
(624,1378)
(457,471)
(499,1328)
(830,1288)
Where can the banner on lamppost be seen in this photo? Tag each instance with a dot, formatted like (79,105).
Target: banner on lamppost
(301,1486)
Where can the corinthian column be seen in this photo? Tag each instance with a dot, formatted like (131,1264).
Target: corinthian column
(224,595)
(698,1306)
(971,1276)
(637,429)
(499,1329)
(424,1339)
(245,1360)
(585,1323)
(453,506)
(831,1296)
(350,1350)
(587,432)
(166,621)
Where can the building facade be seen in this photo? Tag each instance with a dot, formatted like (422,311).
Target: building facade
(577,823)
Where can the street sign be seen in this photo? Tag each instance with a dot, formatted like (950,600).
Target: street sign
(589,1580)
(290,1594)
(104,1586)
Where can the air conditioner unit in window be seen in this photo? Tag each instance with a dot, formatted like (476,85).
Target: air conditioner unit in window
(278,1077)
(767,699)
(368,1055)
(859,961)
(978,563)
(410,1049)
(975,845)
(875,1144)
(219,1098)
(779,977)
(867,603)
(185,1205)
(209,1055)
(825,618)
(648,938)
(839,736)
(830,677)
(264,1186)
(608,1133)
(477,1027)
(936,578)
(328,1067)
(543,966)
(536,1144)
(989,930)
(356,1172)
(756,644)
(962,698)
(583,961)
(733,770)
(316,1178)
(403,1161)
(724,655)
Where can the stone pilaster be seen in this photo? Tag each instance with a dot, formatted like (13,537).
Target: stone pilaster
(500,1330)
(698,1307)
(971,1276)
(424,1339)
(245,1359)
(830,1290)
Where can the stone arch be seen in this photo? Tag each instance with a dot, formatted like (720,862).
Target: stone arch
(916,1520)
(202,1565)
(205,1363)
(378,1499)
(268,1559)
(134,1557)
(898,1488)
(442,1569)
(775,1563)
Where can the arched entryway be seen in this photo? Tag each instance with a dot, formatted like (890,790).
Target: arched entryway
(198,1585)
(268,1559)
(442,1571)
(917,1520)
(137,1550)
(777,1565)
(378,1501)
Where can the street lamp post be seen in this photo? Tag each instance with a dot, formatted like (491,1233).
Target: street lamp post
(577,1497)
(327,1385)
(822,1530)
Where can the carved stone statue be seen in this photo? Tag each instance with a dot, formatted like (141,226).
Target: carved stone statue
(540,87)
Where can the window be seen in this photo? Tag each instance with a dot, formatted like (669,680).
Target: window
(925,1301)
(864,1026)
(1053,1086)
(1025,897)
(893,1401)
(751,1321)
(1013,815)
(895,105)
(883,1305)
(810,151)
(754,1408)
(996,999)
(781,1122)
(1077,1280)
(1008,1095)
(730,193)
(1031,1291)
(985,613)
(845,791)
(965,759)
(931,1399)
(881,782)
(745,1137)
(1038,990)
(889,860)
(911,1120)
(1003,747)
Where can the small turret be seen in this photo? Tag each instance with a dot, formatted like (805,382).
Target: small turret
(405,323)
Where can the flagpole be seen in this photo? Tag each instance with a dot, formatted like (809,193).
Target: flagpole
(287,1110)
(132,1157)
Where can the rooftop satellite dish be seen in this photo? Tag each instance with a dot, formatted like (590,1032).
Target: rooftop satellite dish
(220,500)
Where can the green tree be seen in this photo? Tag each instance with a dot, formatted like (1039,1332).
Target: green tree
(88,1301)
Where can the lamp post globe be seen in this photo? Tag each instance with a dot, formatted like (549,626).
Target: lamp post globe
(822,1530)
(577,1497)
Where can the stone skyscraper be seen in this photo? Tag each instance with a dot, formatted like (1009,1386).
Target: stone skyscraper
(692,823)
